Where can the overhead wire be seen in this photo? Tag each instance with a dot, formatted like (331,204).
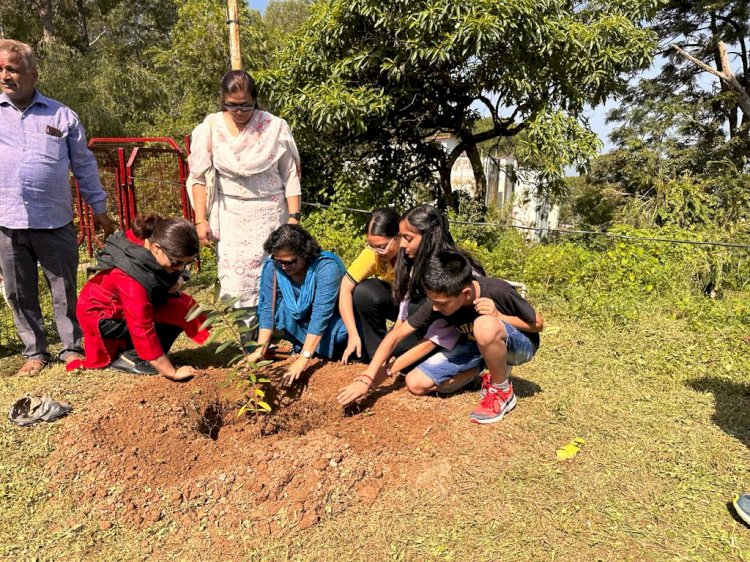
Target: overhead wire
(564,230)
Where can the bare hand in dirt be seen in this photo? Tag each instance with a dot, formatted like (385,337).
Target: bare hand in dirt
(183,373)
(294,371)
(257,355)
(353,392)
(205,235)
(484,305)
(353,346)
(103,221)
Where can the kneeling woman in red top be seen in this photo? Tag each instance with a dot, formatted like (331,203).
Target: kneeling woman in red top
(133,303)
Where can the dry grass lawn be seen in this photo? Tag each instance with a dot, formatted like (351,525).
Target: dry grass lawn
(665,414)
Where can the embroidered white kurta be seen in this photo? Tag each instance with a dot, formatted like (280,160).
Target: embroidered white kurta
(254,174)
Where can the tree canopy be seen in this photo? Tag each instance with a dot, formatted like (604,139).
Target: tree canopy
(682,141)
(366,84)
(379,79)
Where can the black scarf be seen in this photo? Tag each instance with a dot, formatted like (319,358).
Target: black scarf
(139,263)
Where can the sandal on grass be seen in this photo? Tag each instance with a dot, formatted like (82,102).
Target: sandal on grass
(31,367)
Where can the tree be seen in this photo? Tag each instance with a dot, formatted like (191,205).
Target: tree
(93,56)
(283,18)
(692,109)
(374,81)
(191,64)
(683,139)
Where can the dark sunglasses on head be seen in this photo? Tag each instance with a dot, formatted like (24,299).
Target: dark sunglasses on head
(286,263)
(245,107)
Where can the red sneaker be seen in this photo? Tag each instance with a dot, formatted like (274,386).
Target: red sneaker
(485,378)
(494,405)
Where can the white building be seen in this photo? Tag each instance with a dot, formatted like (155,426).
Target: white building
(508,187)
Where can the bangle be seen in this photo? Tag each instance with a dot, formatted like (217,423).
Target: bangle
(199,222)
(363,382)
(366,376)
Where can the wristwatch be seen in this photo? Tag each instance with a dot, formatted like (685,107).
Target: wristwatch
(295,216)
(306,354)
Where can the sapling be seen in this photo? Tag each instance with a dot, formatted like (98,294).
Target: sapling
(231,324)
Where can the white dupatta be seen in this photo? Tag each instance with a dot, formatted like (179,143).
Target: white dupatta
(260,146)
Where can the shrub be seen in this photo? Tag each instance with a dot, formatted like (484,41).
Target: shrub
(504,258)
(616,281)
(340,232)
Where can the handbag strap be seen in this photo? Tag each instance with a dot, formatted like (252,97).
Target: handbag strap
(273,301)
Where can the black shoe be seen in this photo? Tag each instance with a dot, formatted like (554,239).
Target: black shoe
(138,367)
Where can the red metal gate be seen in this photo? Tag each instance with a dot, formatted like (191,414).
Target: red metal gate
(140,175)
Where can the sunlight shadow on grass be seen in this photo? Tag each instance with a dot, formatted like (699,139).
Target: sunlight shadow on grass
(732,412)
(524,388)
(9,350)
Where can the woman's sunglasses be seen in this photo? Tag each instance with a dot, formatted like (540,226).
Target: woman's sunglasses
(244,107)
(175,263)
(285,263)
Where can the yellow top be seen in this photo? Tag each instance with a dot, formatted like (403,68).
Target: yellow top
(369,264)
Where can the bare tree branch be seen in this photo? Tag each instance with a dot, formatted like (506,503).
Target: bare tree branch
(98,37)
(727,76)
(489,106)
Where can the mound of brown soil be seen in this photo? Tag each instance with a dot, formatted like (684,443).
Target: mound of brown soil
(180,451)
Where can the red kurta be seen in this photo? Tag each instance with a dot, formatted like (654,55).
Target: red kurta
(115,295)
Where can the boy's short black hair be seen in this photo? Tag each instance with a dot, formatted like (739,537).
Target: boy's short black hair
(447,273)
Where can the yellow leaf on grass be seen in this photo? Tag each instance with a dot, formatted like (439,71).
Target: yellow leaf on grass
(570,450)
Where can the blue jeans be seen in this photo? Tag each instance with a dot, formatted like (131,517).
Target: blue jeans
(520,348)
(446,364)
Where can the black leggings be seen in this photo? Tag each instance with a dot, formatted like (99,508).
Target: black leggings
(373,306)
(111,329)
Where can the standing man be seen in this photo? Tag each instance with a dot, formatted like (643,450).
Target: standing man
(40,140)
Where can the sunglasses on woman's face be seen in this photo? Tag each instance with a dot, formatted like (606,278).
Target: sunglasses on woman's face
(286,263)
(244,107)
(175,263)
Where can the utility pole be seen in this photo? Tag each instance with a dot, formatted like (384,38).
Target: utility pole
(233,19)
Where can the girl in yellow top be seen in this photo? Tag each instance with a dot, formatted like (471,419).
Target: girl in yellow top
(366,301)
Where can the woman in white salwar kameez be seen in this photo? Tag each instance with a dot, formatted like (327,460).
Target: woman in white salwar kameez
(244,183)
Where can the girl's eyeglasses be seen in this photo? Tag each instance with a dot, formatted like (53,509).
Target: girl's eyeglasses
(285,263)
(381,250)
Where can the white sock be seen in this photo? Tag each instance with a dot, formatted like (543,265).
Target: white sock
(504,386)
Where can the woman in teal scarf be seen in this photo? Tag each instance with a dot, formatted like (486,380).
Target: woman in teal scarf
(306,283)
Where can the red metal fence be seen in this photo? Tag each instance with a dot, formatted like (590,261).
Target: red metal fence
(140,175)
